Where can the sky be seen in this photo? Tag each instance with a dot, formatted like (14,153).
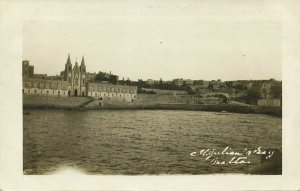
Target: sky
(154,48)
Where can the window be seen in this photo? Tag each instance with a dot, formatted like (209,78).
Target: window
(53,92)
(47,92)
(23,91)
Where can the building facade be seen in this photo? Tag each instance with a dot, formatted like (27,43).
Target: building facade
(111,91)
(76,77)
(73,82)
(36,86)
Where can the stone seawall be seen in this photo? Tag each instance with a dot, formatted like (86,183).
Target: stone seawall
(274,111)
(88,104)
(53,102)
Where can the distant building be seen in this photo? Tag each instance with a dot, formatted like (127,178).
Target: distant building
(90,76)
(215,85)
(178,82)
(188,82)
(181,81)
(269,102)
(150,82)
(27,70)
(266,90)
(201,84)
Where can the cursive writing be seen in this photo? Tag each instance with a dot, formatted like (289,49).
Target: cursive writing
(235,157)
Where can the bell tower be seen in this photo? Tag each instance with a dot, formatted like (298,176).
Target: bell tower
(68,71)
(83,77)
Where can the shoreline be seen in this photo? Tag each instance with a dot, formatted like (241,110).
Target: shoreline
(97,105)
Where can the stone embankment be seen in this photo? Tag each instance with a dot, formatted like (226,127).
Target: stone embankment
(41,102)
(85,103)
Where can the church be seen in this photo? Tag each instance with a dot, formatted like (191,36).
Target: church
(75,77)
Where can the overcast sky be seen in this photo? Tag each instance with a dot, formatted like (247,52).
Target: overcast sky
(156,48)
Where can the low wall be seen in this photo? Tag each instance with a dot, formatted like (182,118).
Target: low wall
(53,102)
(78,102)
(165,99)
(274,111)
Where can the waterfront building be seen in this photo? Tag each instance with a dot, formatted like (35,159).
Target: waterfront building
(73,82)
(37,86)
(110,91)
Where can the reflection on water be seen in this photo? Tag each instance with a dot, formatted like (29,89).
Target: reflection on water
(141,142)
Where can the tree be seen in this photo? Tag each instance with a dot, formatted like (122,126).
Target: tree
(101,77)
(253,95)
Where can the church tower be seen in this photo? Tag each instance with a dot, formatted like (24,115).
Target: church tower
(68,71)
(83,77)
(76,79)
(68,75)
